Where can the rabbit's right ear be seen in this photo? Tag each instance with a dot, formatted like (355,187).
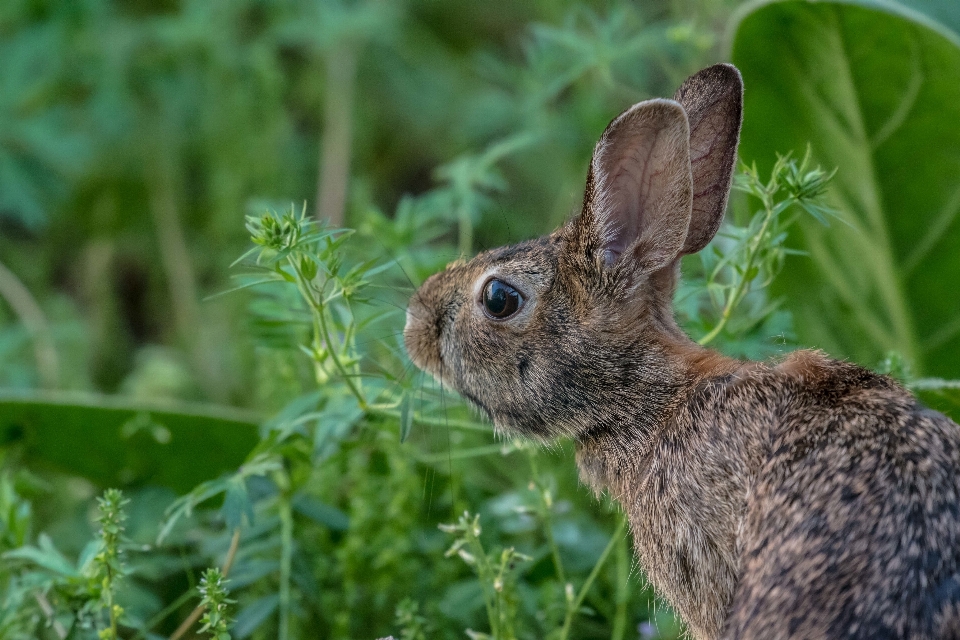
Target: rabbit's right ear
(713,100)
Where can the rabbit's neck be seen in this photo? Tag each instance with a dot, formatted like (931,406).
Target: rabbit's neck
(682,485)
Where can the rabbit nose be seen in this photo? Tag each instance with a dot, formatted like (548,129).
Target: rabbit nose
(414,310)
(419,333)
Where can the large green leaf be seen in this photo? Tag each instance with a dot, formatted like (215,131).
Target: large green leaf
(114,442)
(875,89)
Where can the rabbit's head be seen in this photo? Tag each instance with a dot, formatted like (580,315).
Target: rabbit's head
(574,331)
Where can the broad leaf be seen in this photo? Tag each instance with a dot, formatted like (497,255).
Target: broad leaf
(113,442)
(875,89)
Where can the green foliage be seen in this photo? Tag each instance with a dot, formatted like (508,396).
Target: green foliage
(876,93)
(496,572)
(85,591)
(133,138)
(214,600)
(743,261)
(107,562)
(413,626)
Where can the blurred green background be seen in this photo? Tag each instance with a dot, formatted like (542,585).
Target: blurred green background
(135,136)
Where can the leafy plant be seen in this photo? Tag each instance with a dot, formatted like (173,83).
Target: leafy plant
(108,565)
(496,572)
(743,261)
(213,592)
(874,88)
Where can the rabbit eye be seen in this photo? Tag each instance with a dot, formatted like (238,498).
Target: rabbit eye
(500,300)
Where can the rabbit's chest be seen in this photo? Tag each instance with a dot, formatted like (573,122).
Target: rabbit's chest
(684,527)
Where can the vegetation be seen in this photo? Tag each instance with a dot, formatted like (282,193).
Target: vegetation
(286,472)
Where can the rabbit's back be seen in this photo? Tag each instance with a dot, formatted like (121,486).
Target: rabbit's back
(852,524)
(814,499)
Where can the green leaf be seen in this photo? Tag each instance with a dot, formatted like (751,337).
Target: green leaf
(875,89)
(237,504)
(114,442)
(45,556)
(333,423)
(253,615)
(320,512)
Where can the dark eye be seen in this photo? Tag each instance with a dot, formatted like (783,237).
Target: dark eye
(500,299)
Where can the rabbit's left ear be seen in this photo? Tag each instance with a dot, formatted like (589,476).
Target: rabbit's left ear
(637,201)
(713,100)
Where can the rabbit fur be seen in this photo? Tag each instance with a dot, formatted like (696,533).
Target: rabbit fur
(806,498)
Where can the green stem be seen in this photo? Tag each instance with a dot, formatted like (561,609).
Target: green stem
(35,322)
(286,560)
(578,601)
(321,316)
(108,587)
(622,597)
(164,614)
(48,612)
(743,284)
(546,516)
(179,270)
(428,421)
(485,573)
(334,169)
(473,452)
(191,620)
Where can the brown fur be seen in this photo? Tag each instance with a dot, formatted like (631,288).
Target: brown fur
(808,498)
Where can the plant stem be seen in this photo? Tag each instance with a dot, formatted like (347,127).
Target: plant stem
(286,560)
(35,322)
(321,316)
(465,224)
(546,516)
(191,620)
(160,617)
(623,590)
(428,421)
(485,573)
(473,452)
(58,628)
(110,609)
(181,277)
(743,283)
(334,172)
(575,606)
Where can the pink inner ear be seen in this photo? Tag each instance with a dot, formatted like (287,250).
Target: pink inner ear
(627,188)
(642,184)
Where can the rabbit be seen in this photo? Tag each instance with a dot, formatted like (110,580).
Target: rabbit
(800,498)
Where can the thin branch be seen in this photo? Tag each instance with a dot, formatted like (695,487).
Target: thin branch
(48,611)
(181,277)
(334,171)
(320,317)
(546,514)
(574,607)
(191,620)
(622,598)
(743,284)
(286,564)
(35,322)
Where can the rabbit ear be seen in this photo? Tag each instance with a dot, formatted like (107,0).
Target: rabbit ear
(713,100)
(639,188)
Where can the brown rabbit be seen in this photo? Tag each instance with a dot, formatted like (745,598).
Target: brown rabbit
(808,498)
